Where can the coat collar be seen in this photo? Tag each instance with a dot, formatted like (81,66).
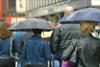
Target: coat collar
(36,37)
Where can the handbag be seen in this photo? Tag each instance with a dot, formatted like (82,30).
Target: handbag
(66,64)
(72,56)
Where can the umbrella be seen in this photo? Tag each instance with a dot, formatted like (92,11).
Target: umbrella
(87,14)
(31,23)
(63,19)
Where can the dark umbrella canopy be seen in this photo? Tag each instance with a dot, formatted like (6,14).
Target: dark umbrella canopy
(87,14)
(31,23)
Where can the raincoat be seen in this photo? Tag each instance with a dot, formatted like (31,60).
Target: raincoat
(61,37)
(36,51)
(88,51)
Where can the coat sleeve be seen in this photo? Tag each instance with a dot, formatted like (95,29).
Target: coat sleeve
(55,40)
(69,51)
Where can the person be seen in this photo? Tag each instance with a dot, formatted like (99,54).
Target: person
(60,39)
(19,38)
(6,48)
(36,51)
(87,51)
(68,10)
(62,33)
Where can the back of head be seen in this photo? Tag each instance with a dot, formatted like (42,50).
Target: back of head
(87,26)
(3,30)
(37,31)
(68,9)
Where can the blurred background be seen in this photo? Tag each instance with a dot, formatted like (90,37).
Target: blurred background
(12,11)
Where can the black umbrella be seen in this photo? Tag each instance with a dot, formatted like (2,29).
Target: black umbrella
(31,23)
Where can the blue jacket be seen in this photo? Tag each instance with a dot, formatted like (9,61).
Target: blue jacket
(36,51)
(4,48)
(19,38)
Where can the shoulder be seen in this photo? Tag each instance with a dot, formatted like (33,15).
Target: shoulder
(44,42)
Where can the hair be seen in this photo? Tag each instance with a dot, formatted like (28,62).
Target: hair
(68,9)
(87,26)
(4,33)
(37,31)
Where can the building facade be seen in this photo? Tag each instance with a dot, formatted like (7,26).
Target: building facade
(36,8)
(52,10)
(16,11)
(3,8)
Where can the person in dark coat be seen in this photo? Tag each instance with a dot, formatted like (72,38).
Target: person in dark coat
(60,37)
(88,47)
(36,51)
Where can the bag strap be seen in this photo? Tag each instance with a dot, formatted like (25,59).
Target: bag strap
(77,52)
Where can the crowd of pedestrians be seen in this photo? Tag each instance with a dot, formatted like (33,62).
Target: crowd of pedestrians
(70,45)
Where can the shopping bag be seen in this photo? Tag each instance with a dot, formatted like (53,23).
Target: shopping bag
(66,64)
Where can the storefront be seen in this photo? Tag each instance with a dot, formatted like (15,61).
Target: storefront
(11,20)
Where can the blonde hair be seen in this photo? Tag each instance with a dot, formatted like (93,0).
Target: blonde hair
(87,26)
(68,9)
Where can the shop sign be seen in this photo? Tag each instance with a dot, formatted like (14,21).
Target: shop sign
(12,20)
(20,6)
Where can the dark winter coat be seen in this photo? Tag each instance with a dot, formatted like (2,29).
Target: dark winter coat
(61,37)
(88,51)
